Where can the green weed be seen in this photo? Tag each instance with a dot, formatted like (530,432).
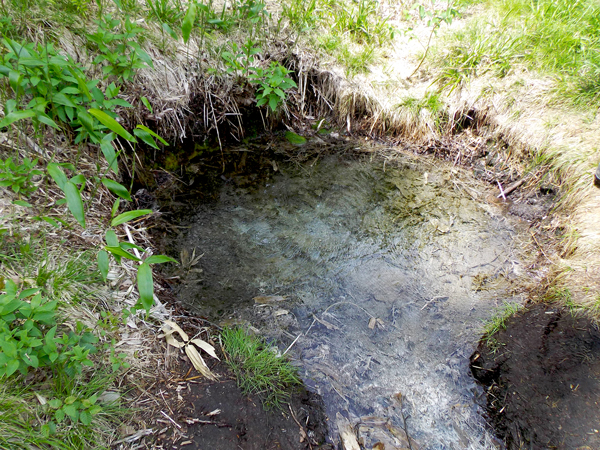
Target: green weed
(560,38)
(19,177)
(498,323)
(257,368)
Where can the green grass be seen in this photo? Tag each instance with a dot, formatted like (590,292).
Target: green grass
(258,369)
(68,276)
(558,38)
(497,323)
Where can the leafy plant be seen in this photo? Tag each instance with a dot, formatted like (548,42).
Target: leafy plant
(435,18)
(77,410)
(19,177)
(120,54)
(273,83)
(28,336)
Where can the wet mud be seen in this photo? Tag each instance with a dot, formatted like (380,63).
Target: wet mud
(218,415)
(542,380)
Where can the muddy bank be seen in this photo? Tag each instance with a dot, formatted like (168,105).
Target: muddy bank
(217,415)
(542,380)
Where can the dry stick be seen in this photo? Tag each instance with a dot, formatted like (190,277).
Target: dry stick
(217,130)
(511,188)
(301,427)
(426,51)
(167,416)
(501,191)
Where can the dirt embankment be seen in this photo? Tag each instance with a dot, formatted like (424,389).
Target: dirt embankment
(542,380)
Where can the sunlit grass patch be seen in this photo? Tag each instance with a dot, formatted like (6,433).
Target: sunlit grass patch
(257,368)
(560,38)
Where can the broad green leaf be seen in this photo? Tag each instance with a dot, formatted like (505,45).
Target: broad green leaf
(109,153)
(129,246)
(74,202)
(115,207)
(78,179)
(51,221)
(129,215)
(170,31)
(118,251)
(48,121)
(11,367)
(22,203)
(62,99)
(57,175)
(111,238)
(149,131)
(294,138)
(111,124)
(273,102)
(149,140)
(103,263)
(158,259)
(55,403)
(85,417)
(16,115)
(188,21)
(145,286)
(116,188)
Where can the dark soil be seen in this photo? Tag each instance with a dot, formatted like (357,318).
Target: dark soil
(217,415)
(543,381)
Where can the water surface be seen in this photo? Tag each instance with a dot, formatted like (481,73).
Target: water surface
(385,270)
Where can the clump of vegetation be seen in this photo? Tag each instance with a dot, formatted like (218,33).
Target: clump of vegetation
(497,323)
(555,37)
(258,368)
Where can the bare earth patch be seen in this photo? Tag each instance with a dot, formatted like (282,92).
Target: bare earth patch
(543,381)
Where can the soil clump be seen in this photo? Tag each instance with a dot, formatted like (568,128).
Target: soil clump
(542,378)
(218,415)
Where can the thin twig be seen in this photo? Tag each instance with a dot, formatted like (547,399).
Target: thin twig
(167,416)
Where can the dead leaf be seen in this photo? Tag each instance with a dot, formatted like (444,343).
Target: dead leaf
(379,446)
(176,327)
(349,441)
(326,324)
(266,299)
(41,399)
(109,397)
(372,322)
(172,341)
(206,347)
(281,312)
(198,362)
(303,435)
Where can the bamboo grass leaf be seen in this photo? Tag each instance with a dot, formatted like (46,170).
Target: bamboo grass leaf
(116,188)
(111,124)
(74,202)
(145,286)
(129,215)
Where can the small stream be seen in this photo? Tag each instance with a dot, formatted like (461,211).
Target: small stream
(379,272)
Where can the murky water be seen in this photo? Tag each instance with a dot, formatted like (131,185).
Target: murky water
(384,271)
